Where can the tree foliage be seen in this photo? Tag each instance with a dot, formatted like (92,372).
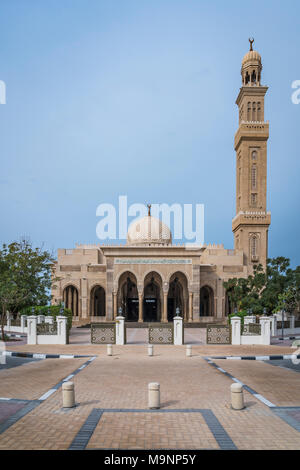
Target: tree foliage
(25,276)
(268,290)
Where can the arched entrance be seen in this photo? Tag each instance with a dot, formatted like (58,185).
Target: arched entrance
(97,301)
(152,301)
(206,302)
(128,298)
(70,296)
(177,296)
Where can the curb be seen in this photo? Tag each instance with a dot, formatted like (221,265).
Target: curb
(43,356)
(257,358)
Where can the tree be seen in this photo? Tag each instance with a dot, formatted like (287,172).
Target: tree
(25,277)
(262,289)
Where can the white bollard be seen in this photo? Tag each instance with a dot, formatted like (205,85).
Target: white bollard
(237,396)
(154,396)
(68,395)
(150,349)
(188,350)
(109,349)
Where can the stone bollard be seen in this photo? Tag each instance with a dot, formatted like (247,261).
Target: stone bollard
(68,395)
(237,397)
(150,349)
(109,349)
(188,350)
(154,396)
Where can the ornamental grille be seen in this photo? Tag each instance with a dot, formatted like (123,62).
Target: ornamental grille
(251,329)
(46,329)
(218,334)
(103,333)
(160,333)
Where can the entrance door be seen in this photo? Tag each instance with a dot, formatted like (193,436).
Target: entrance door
(132,310)
(150,310)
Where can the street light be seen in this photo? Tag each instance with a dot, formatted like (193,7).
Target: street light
(177,311)
(120,311)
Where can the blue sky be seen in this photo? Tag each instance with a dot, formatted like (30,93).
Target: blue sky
(113,97)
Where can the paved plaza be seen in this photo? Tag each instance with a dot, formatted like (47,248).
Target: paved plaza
(111,397)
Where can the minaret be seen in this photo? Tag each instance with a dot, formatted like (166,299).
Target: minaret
(251,223)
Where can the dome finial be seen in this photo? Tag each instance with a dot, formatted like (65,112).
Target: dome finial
(149,209)
(251,40)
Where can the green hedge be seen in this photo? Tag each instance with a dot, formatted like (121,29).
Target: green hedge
(48,310)
(240,314)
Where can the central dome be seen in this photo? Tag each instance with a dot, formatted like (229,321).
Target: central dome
(149,231)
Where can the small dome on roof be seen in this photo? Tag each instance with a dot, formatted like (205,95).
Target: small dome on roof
(148,230)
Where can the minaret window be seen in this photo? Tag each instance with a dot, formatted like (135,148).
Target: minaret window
(254,155)
(258,112)
(254,111)
(249,112)
(253,247)
(253,77)
(253,177)
(253,199)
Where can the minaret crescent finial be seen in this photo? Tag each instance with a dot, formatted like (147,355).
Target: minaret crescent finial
(149,209)
(251,40)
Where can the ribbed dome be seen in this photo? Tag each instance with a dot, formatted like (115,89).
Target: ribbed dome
(147,231)
(251,56)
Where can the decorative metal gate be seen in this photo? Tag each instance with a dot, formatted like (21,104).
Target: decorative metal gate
(103,333)
(161,333)
(218,334)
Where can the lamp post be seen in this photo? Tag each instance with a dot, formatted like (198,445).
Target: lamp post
(177,312)
(120,311)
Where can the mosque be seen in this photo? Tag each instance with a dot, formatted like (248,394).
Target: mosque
(149,278)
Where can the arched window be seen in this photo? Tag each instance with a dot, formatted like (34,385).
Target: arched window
(254,155)
(254,111)
(249,112)
(253,199)
(258,111)
(253,176)
(253,246)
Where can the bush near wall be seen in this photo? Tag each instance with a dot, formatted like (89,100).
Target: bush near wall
(49,311)
(240,314)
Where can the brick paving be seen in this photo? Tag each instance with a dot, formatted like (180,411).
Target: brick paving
(121,381)
(278,385)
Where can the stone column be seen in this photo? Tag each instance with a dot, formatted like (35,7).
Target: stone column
(165,308)
(190,319)
(120,330)
(75,303)
(70,297)
(61,330)
(140,307)
(31,329)
(236,330)
(178,330)
(115,313)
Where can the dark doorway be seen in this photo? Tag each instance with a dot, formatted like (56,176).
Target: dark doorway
(132,309)
(150,310)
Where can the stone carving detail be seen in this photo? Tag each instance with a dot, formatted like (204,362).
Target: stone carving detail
(218,334)
(103,333)
(160,333)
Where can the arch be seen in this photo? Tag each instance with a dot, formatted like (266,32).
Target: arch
(206,301)
(127,296)
(178,295)
(71,298)
(152,297)
(97,301)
